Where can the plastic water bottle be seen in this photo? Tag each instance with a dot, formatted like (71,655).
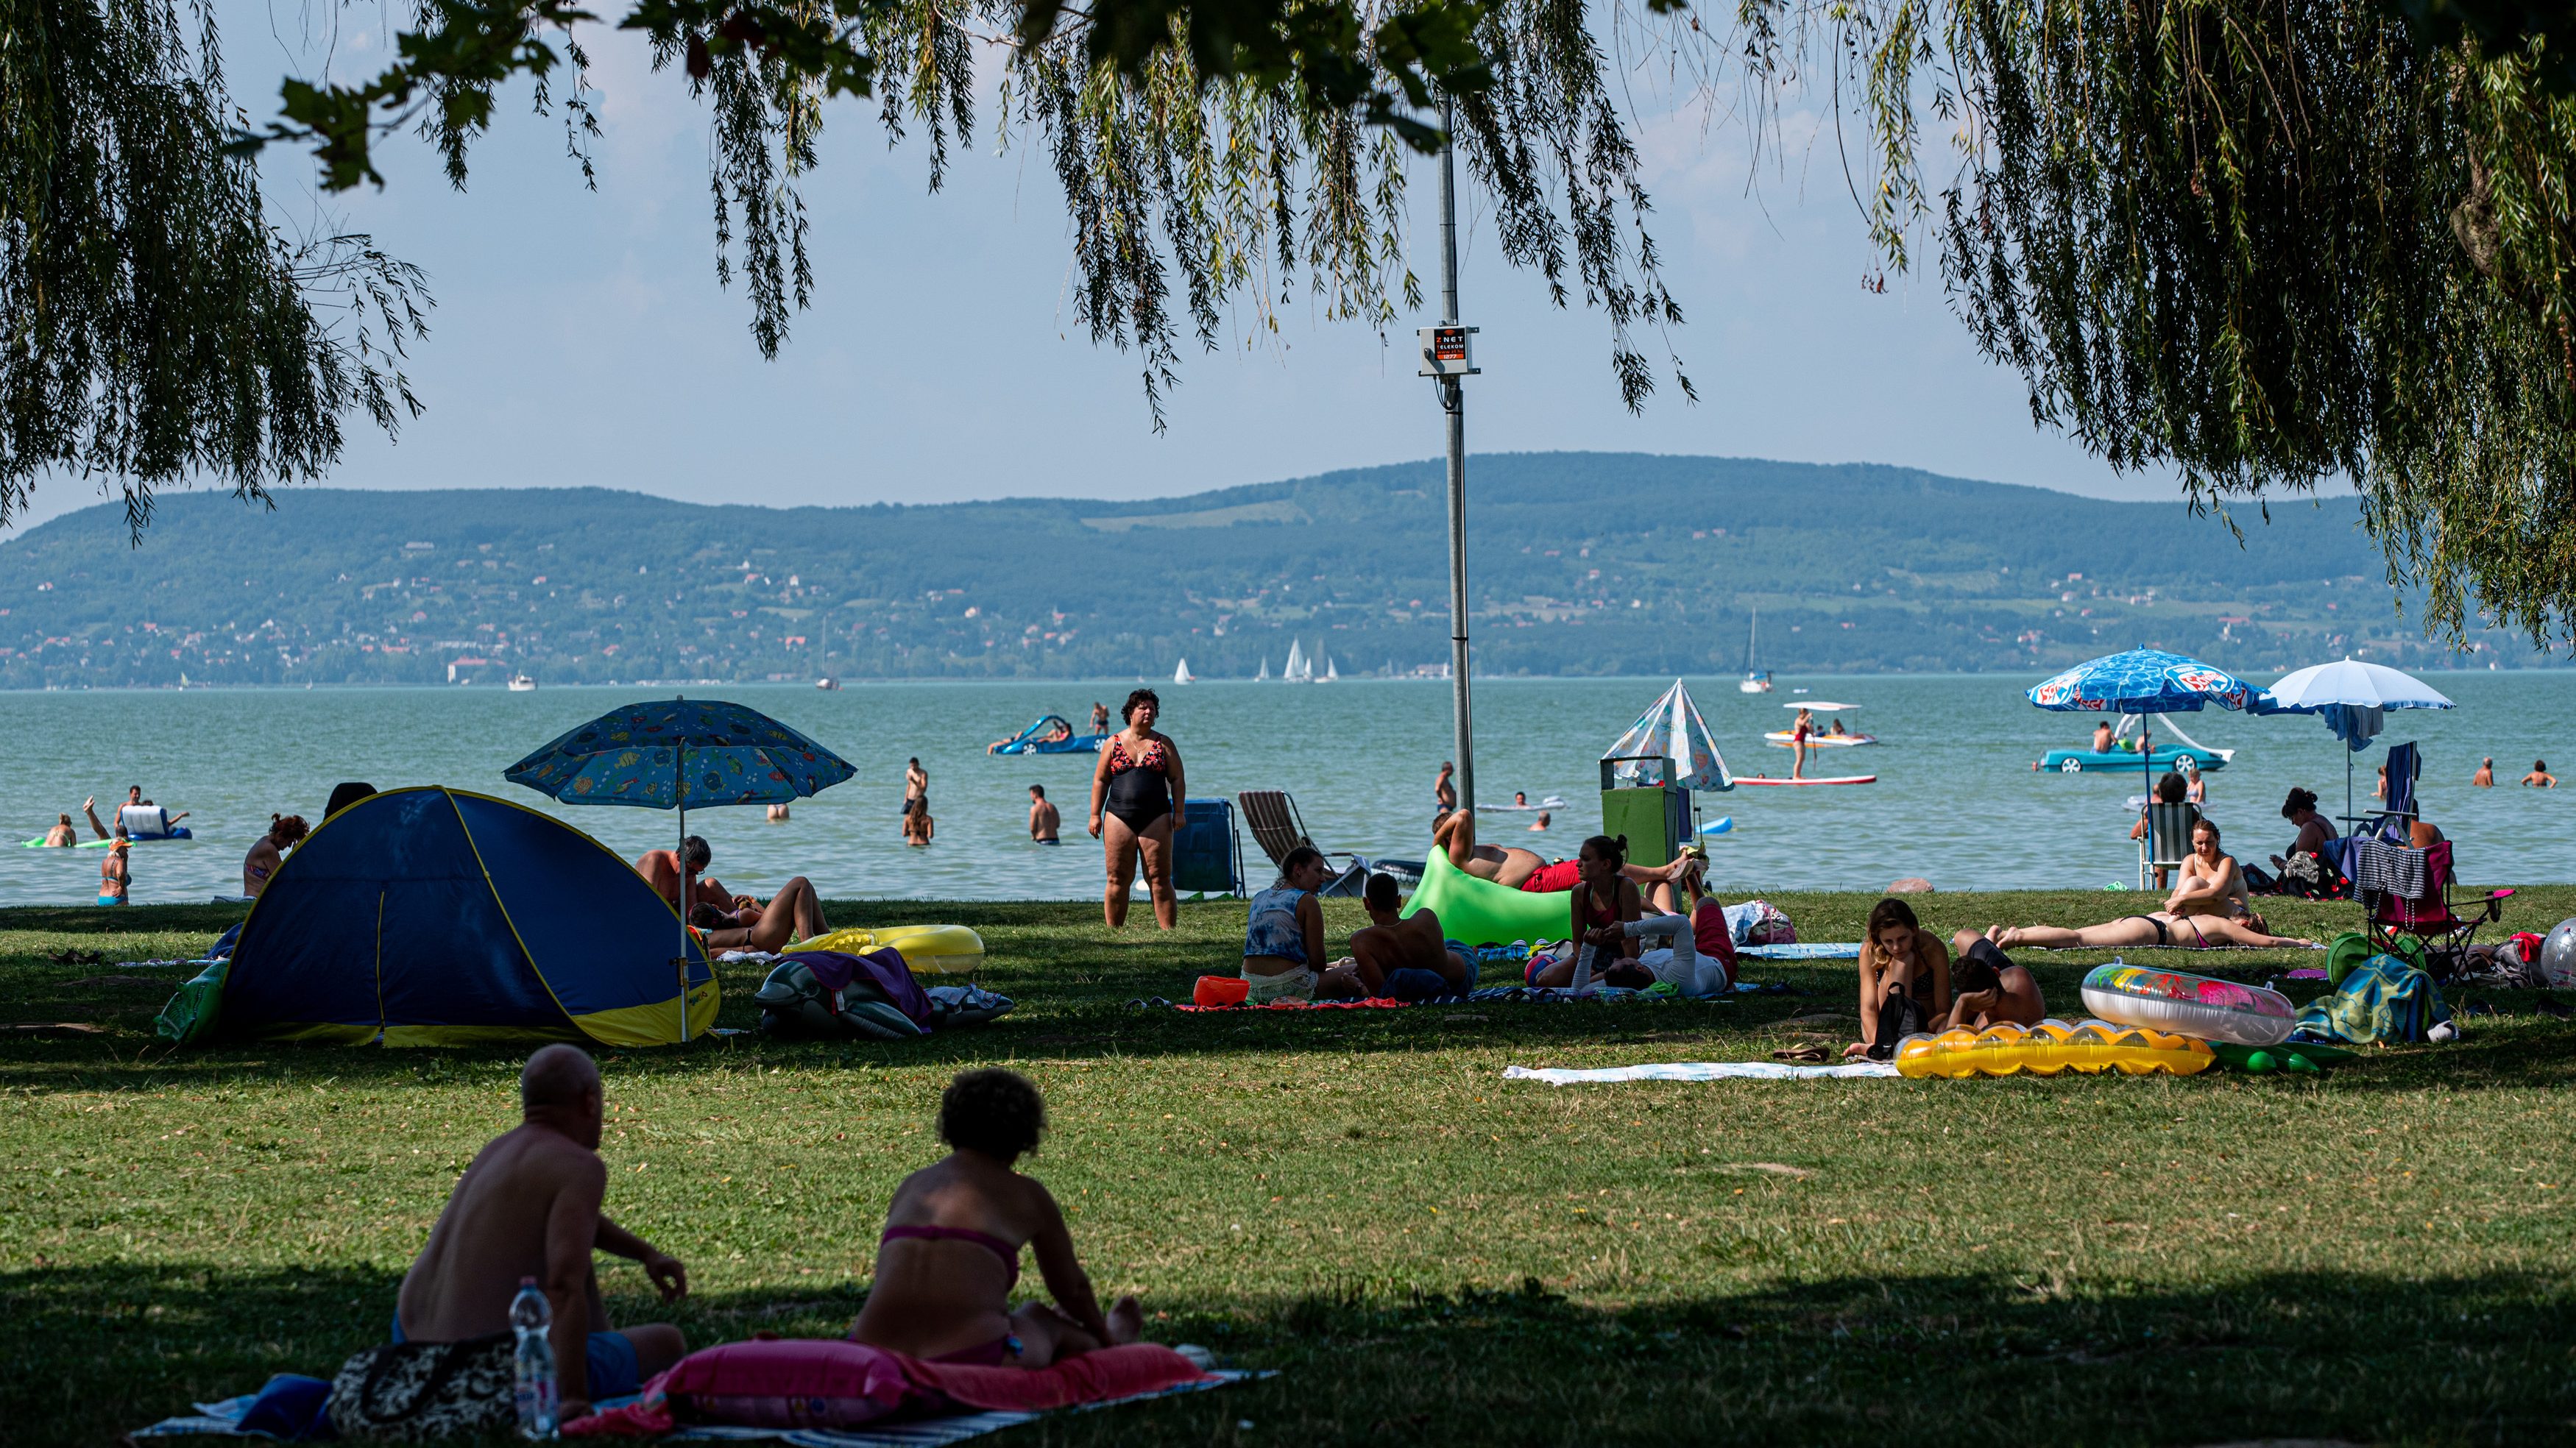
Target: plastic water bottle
(530,1317)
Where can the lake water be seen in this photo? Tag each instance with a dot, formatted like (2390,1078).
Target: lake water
(1956,800)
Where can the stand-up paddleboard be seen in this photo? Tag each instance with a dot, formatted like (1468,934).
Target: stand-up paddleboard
(1740,780)
(1787,739)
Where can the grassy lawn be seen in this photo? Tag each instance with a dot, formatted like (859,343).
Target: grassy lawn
(1357,1198)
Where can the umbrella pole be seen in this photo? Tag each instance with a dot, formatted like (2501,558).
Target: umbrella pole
(680,797)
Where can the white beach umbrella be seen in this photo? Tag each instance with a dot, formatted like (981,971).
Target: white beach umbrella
(2351,696)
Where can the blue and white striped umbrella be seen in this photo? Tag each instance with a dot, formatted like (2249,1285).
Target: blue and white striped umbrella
(1673,730)
(2147,681)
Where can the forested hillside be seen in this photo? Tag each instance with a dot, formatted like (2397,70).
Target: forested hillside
(1580,564)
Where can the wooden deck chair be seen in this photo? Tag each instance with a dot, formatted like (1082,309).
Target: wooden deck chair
(2167,842)
(1272,817)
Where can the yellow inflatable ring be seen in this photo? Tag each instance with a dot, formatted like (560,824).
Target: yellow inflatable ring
(2088,1048)
(928,949)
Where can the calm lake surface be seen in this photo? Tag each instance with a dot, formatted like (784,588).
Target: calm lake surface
(1956,800)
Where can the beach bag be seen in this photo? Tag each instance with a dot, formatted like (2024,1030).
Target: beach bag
(190,1016)
(2382,999)
(1759,922)
(2311,876)
(420,1392)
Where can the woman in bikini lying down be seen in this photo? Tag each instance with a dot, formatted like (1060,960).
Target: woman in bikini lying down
(2194,915)
(951,1250)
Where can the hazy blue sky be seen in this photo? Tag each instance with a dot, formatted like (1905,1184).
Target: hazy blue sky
(580,337)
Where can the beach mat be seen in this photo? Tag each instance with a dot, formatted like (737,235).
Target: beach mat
(223,1420)
(1702,1071)
(1482,995)
(1818,950)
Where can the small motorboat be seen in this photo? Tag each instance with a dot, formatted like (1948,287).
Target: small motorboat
(828,684)
(522,684)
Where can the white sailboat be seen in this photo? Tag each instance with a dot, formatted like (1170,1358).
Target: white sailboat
(1264,676)
(1330,673)
(1755,681)
(1299,669)
(1181,675)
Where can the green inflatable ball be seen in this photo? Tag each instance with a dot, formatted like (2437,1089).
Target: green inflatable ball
(2261,1061)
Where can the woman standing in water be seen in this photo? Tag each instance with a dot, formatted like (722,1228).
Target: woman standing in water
(1137,794)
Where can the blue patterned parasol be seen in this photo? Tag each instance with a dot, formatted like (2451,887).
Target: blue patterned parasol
(2146,681)
(1671,729)
(673,753)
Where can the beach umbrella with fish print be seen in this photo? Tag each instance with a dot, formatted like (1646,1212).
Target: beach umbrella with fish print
(2147,681)
(675,753)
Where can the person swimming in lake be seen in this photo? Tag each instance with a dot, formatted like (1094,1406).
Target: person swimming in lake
(1044,818)
(2199,912)
(63,835)
(2540,777)
(949,1257)
(269,851)
(1540,824)
(116,872)
(2485,777)
(918,827)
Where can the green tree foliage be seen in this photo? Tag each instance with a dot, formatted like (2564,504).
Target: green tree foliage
(1213,156)
(154,324)
(2266,245)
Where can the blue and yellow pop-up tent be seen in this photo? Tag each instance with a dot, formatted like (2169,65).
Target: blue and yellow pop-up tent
(438,917)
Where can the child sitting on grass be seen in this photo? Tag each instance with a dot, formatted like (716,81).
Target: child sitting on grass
(950,1254)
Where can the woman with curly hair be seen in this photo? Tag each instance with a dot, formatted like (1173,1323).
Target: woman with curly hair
(284,833)
(950,1253)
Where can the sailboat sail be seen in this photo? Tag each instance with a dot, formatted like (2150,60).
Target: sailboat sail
(1330,673)
(1264,676)
(1672,730)
(1181,675)
(1298,670)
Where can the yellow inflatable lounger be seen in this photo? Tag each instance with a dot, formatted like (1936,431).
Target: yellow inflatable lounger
(1481,912)
(2088,1048)
(928,949)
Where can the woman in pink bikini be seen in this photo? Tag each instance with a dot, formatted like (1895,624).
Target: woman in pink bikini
(950,1254)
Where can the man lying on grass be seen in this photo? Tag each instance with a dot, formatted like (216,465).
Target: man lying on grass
(1991,990)
(528,1207)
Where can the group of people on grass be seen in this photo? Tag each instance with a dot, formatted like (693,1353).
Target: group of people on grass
(1614,913)
(530,1207)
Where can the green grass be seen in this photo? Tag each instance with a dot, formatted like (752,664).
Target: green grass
(1357,1198)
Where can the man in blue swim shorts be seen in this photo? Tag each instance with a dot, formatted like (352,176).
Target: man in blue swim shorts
(528,1208)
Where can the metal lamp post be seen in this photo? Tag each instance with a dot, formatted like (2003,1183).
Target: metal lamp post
(1447,358)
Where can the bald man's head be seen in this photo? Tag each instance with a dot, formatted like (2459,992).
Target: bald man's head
(558,1078)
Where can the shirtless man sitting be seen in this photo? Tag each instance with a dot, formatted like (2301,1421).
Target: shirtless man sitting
(1407,959)
(1988,989)
(661,870)
(528,1207)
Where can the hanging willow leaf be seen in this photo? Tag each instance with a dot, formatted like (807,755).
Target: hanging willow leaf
(154,324)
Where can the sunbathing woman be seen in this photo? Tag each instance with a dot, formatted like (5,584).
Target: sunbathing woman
(1602,900)
(2194,915)
(794,913)
(270,851)
(1904,980)
(950,1254)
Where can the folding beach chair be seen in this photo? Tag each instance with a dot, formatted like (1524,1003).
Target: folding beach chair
(1272,817)
(2167,842)
(2381,872)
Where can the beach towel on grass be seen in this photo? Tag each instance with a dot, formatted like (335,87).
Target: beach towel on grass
(1701,1071)
(1814,950)
(979,1400)
(2381,999)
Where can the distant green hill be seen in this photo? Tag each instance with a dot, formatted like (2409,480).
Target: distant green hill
(1582,563)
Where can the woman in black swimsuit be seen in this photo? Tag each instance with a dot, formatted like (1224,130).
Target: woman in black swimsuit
(1136,800)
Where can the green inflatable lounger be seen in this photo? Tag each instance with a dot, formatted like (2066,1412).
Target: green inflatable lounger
(1480,912)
